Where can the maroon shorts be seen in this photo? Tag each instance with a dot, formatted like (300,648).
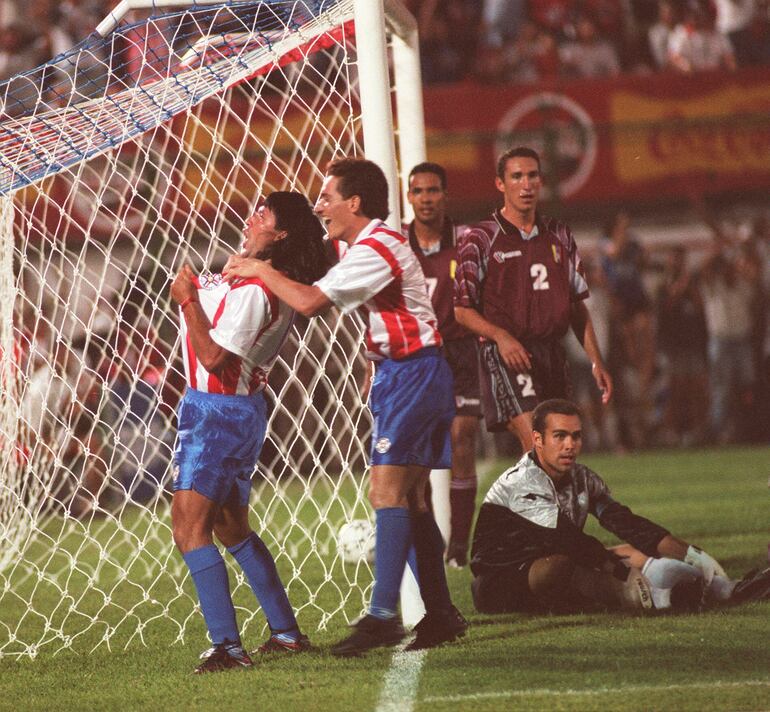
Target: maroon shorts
(463,358)
(507,393)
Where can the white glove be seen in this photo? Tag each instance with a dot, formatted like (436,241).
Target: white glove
(707,564)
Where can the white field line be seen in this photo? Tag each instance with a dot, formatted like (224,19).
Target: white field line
(399,689)
(544,692)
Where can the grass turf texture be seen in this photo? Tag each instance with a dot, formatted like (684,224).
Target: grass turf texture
(717,660)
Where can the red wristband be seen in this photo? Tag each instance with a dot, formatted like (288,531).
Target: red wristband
(185,302)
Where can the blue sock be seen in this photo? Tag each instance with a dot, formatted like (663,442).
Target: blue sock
(393,536)
(411,560)
(259,566)
(429,547)
(208,571)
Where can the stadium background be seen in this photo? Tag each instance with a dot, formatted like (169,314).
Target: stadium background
(698,178)
(684,155)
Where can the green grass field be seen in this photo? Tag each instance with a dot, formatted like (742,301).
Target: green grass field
(719,660)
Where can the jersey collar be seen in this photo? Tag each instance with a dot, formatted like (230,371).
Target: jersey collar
(447,237)
(509,228)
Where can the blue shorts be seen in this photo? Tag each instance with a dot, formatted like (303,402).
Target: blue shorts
(218,444)
(412,401)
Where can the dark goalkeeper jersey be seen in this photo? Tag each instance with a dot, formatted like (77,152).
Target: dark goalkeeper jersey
(525,516)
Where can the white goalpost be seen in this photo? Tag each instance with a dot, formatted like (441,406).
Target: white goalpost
(142,148)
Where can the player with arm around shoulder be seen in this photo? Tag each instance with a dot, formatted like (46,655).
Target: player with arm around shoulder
(519,285)
(434,236)
(530,552)
(411,396)
(231,335)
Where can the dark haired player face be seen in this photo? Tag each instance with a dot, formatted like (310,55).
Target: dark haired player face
(427,198)
(520,184)
(260,232)
(559,446)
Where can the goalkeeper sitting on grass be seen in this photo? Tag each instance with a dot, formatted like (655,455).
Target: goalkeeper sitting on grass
(530,552)
(231,335)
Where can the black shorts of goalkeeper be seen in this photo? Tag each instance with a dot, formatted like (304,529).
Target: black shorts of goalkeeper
(505,589)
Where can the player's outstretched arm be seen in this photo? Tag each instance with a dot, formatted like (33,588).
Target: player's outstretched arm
(584,331)
(307,299)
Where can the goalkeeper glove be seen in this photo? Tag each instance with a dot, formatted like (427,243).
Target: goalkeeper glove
(707,564)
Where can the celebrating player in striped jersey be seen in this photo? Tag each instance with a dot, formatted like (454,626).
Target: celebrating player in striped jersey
(411,395)
(519,285)
(231,335)
(433,237)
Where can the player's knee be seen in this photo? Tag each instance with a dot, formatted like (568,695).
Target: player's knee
(488,596)
(384,497)
(550,575)
(230,535)
(189,535)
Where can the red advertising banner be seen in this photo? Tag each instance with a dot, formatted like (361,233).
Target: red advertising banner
(634,139)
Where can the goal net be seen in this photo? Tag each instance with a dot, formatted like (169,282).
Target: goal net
(144,147)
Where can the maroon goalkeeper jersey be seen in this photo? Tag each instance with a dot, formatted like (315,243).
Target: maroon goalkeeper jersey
(524,284)
(439,269)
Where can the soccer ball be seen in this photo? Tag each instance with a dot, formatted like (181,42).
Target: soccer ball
(355,541)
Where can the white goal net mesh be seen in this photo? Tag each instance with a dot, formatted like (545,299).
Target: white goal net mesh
(119,161)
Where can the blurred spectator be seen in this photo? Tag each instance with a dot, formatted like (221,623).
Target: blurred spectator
(733,19)
(448,38)
(695,45)
(760,244)
(659,34)
(728,297)
(58,411)
(19,50)
(530,57)
(553,15)
(590,55)
(682,339)
(633,326)
(755,48)
(501,20)
(603,435)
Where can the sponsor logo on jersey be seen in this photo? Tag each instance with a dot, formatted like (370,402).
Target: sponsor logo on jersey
(382,446)
(461,401)
(501,256)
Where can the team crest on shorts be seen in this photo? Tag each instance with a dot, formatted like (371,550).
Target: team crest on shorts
(382,446)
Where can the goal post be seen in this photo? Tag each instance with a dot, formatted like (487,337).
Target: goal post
(142,148)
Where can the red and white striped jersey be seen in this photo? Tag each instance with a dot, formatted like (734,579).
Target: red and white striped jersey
(380,276)
(247,320)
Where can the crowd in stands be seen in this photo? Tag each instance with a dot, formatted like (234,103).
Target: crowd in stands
(687,335)
(518,41)
(521,41)
(34,31)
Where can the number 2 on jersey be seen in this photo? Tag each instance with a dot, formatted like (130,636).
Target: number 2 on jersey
(539,274)
(525,381)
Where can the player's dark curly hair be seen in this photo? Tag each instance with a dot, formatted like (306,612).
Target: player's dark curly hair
(560,406)
(302,254)
(363,178)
